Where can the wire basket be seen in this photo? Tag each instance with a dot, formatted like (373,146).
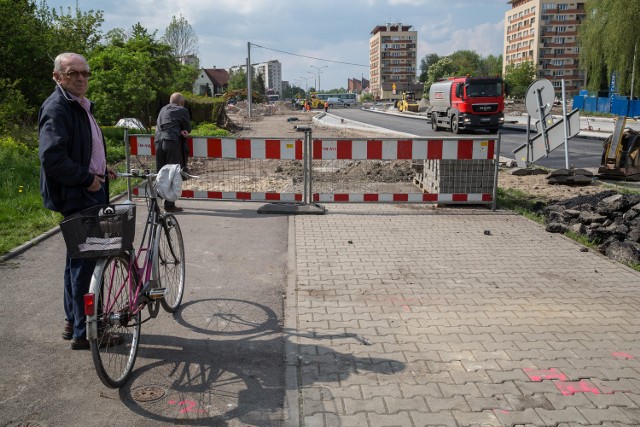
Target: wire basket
(100,231)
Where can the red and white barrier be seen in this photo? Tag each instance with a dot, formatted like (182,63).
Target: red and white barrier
(332,149)
(348,149)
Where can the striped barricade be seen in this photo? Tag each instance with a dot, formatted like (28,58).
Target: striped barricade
(444,170)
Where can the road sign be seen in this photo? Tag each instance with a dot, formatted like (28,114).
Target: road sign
(554,139)
(541,93)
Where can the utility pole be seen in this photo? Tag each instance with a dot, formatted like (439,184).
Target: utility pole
(249,77)
(319,72)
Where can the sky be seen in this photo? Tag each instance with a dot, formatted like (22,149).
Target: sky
(325,40)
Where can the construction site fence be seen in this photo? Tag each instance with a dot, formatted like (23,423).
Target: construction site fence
(444,170)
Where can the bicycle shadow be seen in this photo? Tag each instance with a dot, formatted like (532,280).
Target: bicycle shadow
(234,370)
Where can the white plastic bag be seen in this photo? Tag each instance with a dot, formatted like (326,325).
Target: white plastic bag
(169,182)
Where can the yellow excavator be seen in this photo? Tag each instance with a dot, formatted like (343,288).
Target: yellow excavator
(407,103)
(621,154)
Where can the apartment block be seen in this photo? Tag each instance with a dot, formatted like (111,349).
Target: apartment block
(271,72)
(545,32)
(393,60)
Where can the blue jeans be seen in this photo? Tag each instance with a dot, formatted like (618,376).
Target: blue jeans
(77,279)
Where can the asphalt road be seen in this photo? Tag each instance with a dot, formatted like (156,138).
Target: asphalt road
(218,361)
(583,152)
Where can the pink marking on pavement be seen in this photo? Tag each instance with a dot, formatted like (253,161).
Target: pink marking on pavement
(544,374)
(621,355)
(572,387)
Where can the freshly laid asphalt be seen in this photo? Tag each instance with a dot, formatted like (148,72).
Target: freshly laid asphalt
(369,315)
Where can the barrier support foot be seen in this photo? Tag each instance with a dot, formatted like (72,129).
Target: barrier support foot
(292,208)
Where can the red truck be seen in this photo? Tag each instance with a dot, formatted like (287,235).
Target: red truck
(460,103)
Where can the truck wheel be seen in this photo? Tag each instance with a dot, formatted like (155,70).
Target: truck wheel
(434,122)
(455,127)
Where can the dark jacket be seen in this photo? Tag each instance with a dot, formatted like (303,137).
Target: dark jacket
(65,153)
(172,120)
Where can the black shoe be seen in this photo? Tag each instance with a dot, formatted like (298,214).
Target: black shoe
(108,339)
(80,344)
(67,332)
(173,209)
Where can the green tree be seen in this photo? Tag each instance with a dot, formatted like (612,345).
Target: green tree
(14,109)
(76,31)
(181,37)
(609,40)
(518,78)
(491,66)
(132,78)
(237,80)
(466,62)
(442,69)
(425,64)
(258,84)
(25,56)
(366,97)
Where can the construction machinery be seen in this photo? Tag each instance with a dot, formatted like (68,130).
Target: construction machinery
(314,101)
(621,154)
(407,103)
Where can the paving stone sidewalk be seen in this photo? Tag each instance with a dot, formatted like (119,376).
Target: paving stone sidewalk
(414,316)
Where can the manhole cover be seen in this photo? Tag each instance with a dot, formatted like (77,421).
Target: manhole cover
(147,394)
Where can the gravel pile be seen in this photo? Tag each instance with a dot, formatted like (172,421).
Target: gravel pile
(610,219)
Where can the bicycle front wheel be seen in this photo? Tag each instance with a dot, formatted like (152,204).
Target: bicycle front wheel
(169,262)
(116,347)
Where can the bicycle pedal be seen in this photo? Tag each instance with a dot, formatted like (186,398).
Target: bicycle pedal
(157,293)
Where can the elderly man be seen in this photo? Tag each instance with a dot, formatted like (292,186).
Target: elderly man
(73,175)
(172,126)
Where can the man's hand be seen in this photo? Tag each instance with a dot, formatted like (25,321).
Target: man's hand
(96,184)
(112,173)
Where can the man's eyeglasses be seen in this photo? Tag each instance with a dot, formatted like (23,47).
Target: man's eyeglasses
(75,74)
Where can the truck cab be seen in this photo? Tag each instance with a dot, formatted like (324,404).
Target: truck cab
(461,103)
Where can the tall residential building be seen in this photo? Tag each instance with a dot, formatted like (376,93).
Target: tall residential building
(393,60)
(545,32)
(271,72)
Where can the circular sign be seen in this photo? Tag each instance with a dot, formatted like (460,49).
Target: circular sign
(547,96)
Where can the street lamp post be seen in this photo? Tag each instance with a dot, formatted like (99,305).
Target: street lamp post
(319,72)
(306,83)
(315,84)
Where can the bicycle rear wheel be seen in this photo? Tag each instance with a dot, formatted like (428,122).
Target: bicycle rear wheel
(169,262)
(116,347)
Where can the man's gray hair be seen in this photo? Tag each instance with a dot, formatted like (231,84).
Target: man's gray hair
(60,59)
(177,98)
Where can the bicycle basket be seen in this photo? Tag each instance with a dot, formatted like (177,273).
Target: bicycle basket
(100,231)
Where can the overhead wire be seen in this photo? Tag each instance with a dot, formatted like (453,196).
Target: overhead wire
(310,57)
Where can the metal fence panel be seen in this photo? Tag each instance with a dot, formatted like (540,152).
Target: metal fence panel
(443,170)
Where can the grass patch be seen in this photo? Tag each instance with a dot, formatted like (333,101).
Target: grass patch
(22,213)
(521,203)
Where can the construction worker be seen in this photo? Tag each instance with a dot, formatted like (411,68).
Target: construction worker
(326,106)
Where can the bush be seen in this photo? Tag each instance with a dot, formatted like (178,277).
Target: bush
(15,111)
(205,109)
(208,129)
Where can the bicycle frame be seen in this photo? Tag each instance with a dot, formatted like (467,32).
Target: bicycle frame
(139,278)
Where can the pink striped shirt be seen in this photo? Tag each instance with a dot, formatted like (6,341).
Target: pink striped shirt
(98,164)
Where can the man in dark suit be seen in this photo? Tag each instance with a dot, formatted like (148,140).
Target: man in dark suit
(73,176)
(172,126)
